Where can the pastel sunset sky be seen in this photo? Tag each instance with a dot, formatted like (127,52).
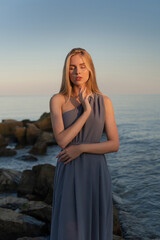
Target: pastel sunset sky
(122,37)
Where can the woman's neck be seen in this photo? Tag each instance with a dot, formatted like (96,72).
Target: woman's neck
(75,91)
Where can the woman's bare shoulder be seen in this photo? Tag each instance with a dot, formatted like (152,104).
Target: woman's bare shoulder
(108,104)
(57,98)
(106,99)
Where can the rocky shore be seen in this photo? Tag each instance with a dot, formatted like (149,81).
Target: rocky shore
(26,197)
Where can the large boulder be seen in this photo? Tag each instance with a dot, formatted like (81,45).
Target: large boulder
(44,122)
(44,181)
(12,202)
(3,142)
(47,137)
(116,224)
(32,133)
(6,152)
(9,180)
(7,126)
(37,209)
(37,184)
(34,238)
(27,183)
(27,157)
(116,237)
(20,134)
(44,139)
(14,225)
(39,148)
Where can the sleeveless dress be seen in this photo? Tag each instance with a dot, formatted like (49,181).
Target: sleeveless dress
(82,195)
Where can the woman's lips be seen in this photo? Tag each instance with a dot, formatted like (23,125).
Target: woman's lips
(78,78)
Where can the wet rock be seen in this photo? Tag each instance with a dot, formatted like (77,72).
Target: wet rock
(37,209)
(12,202)
(7,126)
(47,137)
(6,152)
(20,134)
(44,139)
(44,122)
(116,224)
(28,157)
(35,238)
(14,225)
(9,180)
(116,237)
(37,184)
(27,182)
(39,148)
(32,133)
(3,142)
(26,121)
(44,181)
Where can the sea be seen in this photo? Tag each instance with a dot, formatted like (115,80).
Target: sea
(135,168)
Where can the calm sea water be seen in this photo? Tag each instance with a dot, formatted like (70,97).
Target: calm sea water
(135,168)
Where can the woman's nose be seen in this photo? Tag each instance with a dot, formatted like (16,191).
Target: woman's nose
(77,70)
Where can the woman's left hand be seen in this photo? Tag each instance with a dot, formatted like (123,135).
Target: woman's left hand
(70,153)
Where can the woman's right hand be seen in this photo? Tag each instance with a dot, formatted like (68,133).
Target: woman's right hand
(84,100)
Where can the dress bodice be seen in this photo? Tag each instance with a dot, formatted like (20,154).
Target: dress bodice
(92,130)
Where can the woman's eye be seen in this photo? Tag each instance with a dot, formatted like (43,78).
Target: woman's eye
(83,66)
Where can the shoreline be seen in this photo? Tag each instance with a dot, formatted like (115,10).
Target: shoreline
(39,134)
(21,199)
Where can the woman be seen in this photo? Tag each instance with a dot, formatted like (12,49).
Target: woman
(82,197)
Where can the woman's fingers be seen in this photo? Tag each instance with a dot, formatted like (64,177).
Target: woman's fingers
(62,152)
(82,93)
(67,161)
(63,157)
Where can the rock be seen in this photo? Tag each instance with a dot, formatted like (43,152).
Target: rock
(37,209)
(12,202)
(32,133)
(44,122)
(27,182)
(44,139)
(30,238)
(3,142)
(44,181)
(14,225)
(7,127)
(6,152)
(20,134)
(37,184)
(9,180)
(39,148)
(116,224)
(28,157)
(116,237)
(44,115)
(25,122)
(47,137)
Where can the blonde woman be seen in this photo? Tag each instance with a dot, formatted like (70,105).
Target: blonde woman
(82,197)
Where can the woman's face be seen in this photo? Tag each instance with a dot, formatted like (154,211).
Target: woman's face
(78,72)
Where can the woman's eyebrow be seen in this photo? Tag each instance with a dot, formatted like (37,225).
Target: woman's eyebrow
(79,64)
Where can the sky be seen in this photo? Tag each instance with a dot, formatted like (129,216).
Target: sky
(122,37)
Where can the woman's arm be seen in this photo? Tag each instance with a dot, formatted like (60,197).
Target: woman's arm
(65,136)
(112,144)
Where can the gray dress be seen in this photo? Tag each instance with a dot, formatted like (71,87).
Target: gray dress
(82,196)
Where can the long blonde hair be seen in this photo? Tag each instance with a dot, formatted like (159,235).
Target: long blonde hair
(66,85)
